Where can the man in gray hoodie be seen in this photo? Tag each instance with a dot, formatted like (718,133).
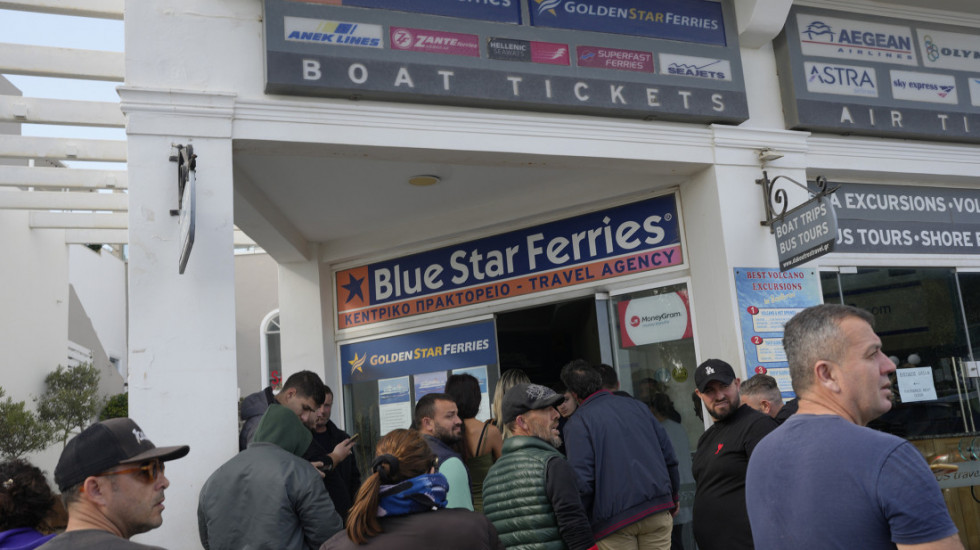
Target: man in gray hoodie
(267,496)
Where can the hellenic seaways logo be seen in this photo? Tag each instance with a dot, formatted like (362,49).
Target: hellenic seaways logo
(852,39)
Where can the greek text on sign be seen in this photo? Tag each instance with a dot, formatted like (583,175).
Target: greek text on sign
(698,67)
(949,50)
(610,243)
(337,33)
(849,39)
(614,58)
(420,40)
(916,384)
(830,78)
(933,88)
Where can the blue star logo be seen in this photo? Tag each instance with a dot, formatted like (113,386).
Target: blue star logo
(353,288)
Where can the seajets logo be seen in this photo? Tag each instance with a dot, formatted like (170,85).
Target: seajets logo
(698,67)
(341,33)
(829,78)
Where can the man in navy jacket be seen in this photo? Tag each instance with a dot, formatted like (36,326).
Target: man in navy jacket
(625,464)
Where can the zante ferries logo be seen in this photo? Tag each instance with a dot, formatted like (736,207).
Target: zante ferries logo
(849,39)
(338,33)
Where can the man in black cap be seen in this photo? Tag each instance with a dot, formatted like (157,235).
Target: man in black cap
(111,481)
(530,493)
(721,520)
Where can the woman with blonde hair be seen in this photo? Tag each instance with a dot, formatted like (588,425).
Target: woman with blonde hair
(402,505)
(508,379)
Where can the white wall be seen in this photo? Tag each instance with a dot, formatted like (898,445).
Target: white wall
(100,282)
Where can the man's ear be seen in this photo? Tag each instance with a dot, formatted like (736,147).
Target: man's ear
(93,489)
(766,405)
(426,424)
(827,374)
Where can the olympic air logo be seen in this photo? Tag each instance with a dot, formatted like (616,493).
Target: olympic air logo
(548,6)
(932,50)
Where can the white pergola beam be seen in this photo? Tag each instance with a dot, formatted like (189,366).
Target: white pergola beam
(24,147)
(96,236)
(62,178)
(68,200)
(75,220)
(102,9)
(34,110)
(62,62)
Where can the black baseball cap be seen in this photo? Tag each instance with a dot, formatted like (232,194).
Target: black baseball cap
(713,369)
(528,397)
(104,445)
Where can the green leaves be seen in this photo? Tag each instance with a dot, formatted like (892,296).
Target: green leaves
(21,431)
(71,401)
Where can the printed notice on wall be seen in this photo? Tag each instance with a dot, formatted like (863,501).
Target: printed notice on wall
(916,384)
(767,299)
(480,373)
(394,404)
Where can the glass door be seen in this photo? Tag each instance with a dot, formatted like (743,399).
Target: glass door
(654,351)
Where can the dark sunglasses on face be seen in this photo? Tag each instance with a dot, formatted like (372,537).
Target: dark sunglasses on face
(148,471)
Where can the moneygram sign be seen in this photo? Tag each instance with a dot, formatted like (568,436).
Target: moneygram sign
(615,242)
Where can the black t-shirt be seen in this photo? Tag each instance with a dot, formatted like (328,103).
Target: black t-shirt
(721,520)
(344,480)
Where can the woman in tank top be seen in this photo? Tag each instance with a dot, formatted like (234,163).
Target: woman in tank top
(481,441)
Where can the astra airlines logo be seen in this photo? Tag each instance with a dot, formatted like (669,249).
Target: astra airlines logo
(548,6)
(819,28)
(357,362)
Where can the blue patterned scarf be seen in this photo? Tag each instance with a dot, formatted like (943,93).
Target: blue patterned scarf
(418,494)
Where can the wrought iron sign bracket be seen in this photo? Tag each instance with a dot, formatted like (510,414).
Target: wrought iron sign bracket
(777,201)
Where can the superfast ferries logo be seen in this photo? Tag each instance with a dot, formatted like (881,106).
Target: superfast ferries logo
(611,243)
(850,39)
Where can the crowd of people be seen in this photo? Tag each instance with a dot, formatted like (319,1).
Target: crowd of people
(586,466)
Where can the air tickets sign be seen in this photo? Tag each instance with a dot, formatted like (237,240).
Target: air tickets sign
(610,243)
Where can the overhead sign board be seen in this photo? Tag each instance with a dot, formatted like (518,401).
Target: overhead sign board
(859,74)
(576,60)
(902,219)
(613,242)
(685,20)
(805,232)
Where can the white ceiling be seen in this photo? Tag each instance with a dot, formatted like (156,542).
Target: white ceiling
(331,193)
(965,6)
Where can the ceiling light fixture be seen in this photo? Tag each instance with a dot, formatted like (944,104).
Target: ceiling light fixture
(422,181)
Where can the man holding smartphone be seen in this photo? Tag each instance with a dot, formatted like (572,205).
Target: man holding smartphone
(341,476)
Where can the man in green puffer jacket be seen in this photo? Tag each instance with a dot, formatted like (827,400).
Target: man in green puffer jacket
(531,493)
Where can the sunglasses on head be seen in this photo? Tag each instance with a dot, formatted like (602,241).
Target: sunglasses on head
(148,471)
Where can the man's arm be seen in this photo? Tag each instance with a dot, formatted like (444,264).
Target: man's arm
(951,542)
(459,484)
(317,515)
(573,523)
(670,458)
(581,457)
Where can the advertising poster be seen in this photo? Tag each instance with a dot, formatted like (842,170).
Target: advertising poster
(767,299)
(480,373)
(394,404)
(429,382)
(661,318)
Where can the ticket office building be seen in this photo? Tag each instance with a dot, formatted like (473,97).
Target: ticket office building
(573,210)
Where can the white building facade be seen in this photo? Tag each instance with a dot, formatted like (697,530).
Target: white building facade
(610,212)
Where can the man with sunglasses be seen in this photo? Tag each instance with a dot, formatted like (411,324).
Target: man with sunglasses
(111,480)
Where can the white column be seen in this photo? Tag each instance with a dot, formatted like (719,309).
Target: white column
(301,318)
(182,368)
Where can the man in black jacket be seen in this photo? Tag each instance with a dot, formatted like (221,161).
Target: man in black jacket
(722,459)
(343,479)
(303,393)
(531,493)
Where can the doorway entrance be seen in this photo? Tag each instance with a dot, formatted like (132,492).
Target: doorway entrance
(541,340)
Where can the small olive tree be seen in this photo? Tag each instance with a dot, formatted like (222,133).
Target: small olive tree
(71,400)
(116,407)
(21,431)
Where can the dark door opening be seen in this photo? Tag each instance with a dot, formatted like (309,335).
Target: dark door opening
(541,340)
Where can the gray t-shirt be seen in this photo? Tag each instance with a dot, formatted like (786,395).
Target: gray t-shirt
(95,539)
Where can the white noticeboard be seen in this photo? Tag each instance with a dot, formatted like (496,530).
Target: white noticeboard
(916,384)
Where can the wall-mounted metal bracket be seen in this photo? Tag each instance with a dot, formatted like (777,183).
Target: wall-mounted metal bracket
(777,201)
